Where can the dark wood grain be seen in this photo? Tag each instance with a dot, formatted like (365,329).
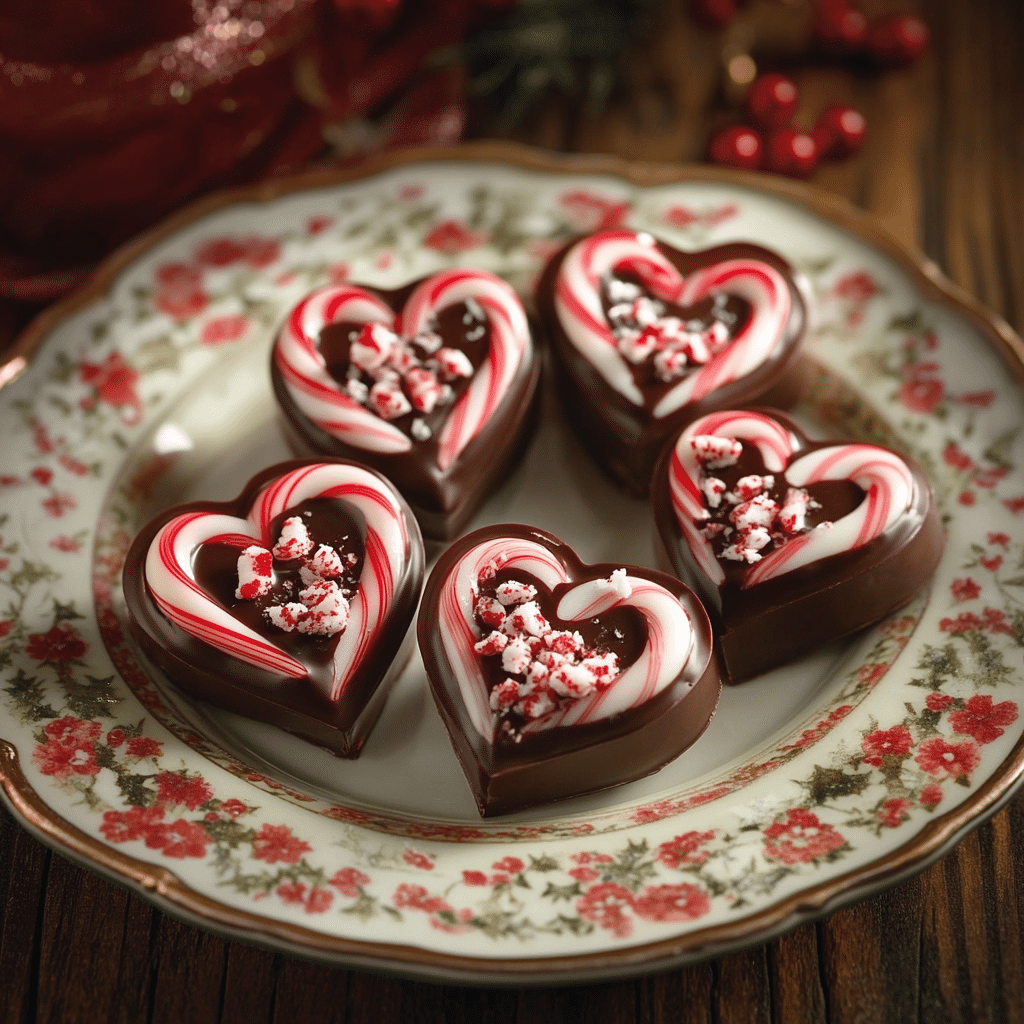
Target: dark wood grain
(943,169)
(798,995)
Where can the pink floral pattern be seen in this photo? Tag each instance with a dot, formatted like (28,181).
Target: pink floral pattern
(115,382)
(593,211)
(451,237)
(223,330)
(686,218)
(801,838)
(914,728)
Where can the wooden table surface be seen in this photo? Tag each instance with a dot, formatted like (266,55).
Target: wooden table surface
(943,170)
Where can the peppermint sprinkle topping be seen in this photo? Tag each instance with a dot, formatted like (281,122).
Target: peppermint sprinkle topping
(255,573)
(746,520)
(294,541)
(618,583)
(392,377)
(320,607)
(716,452)
(544,667)
(645,332)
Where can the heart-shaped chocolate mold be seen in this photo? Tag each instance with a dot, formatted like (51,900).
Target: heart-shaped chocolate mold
(291,604)
(649,338)
(556,678)
(433,384)
(790,543)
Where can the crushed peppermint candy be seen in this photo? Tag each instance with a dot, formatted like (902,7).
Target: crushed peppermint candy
(388,400)
(372,347)
(325,563)
(746,521)
(255,573)
(645,332)
(294,541)
(314,602)
(514,592)
(716,452)
(543,667)
(617,582)
(394,377)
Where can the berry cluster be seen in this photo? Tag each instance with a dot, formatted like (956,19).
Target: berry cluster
(896,40)
(544,668)
(771,142)
(768,141)
(319,606)
(643,332)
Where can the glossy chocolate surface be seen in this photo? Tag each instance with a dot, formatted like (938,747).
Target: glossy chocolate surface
(297,705)
(519,771)
(626,439)
(766,625)
(442,500)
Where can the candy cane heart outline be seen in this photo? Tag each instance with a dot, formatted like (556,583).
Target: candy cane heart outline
(318,396)
(172,583)
(669,642)
(884,477)
(580,311)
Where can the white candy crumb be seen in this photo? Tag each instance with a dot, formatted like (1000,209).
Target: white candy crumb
(294,541)
(716,452)
(514,592)
(255,573)
(286,616)
(617,582)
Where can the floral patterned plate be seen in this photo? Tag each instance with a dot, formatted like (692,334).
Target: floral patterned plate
(814,785)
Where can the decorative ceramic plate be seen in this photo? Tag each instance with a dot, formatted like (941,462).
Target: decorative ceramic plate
(814,785)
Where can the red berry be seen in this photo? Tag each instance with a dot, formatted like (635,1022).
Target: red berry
(840,29)
(772,101)
(713,13)
(897,41)
(737,146)
(790,152)
(839,132)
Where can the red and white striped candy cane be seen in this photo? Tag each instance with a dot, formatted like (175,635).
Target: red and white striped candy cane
(578,297)
(767,292)
(510,345)
(316,394)
(456,612)
(171,578)
(775,443)
(171,581)
(890,492)
(580,311)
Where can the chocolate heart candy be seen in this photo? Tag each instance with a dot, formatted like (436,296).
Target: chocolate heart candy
(438,396)
(789,542)
(290,605)
(556,678)
(649,338)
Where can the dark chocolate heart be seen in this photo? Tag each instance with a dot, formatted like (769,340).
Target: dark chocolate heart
(556,678)
(290,605)
(790,543)
(649,338)
(438,396)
